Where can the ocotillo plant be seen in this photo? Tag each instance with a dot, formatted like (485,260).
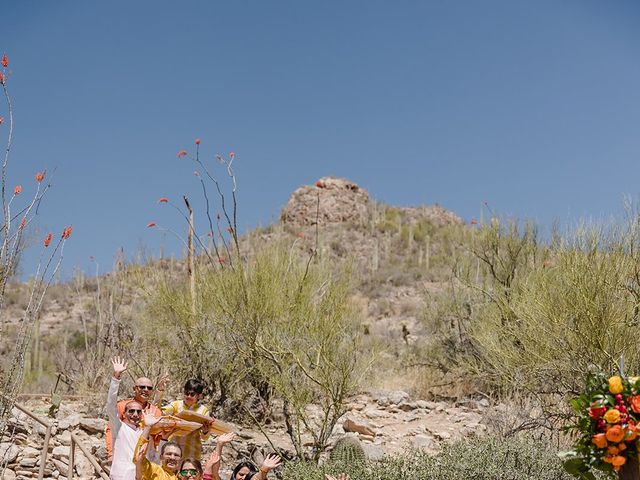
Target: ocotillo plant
(16,217)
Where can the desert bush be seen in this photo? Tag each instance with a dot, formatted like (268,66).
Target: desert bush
(486,458)
(542,329)
(276,325)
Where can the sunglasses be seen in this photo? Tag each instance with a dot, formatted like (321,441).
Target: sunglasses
(133,410)
(190,393)
(144,387)
(191,472)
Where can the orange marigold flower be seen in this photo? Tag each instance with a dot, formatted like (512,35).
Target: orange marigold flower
(47,239)
(23,222)
(66,233)
(615,434)
(5,60)
(197,141)
(599,440)
(163,200)
(618,461)
(612,416)
(151,224)
(40,176)
(17,190)
(181,153)
(635,403)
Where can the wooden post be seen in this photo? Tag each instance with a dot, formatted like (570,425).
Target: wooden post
(72,458)
(43,455)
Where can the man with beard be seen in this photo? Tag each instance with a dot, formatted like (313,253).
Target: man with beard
(125,430)
(142,393)
(170,456)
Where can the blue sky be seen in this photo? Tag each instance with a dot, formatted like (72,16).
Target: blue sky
(533,107)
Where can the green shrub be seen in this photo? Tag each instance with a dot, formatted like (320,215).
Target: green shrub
(484,458)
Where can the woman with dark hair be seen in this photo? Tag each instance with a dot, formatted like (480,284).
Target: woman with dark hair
(244,470)
(191,469)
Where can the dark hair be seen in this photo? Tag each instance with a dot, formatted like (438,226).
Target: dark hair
(194,385)
(194,461)
(170,444)
(252,469)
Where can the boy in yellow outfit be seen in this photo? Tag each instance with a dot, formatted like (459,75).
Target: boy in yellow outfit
(191,444)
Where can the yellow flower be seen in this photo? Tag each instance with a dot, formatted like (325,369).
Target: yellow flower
(612,416)
(615,385)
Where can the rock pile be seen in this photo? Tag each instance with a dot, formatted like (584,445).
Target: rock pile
(385,423)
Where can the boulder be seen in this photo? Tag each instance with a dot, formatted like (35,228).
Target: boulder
(359,426)
(391,397)
(8,453)
(93,425)
(8,474)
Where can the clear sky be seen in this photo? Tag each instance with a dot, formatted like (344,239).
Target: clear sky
(532,106)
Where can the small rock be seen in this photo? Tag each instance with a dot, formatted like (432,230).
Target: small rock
(93,425)
(8,474)
(424,442)
(8,453)
(65,438)
(61,452)
(30,452)
(72,421)
(393,397)
(28,463)
(360,426)
(61,467)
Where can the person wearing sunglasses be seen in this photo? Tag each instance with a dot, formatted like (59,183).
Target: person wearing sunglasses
(192,443)
(170,455)
(191,469)
(125,429)
(244,470)
(142,393)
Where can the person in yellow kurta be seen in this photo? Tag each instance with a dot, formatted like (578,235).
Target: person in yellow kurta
(170,456)
(191,444)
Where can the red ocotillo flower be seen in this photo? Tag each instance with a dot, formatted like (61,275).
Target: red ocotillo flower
(1,78)
(319,184)
(1,120)
(197,141)
(66,233)
(181,153)
(473,221)
(17,190)
(40,176)
(196,173)
(232,155)
(230,229)
(47,239)
(151,224)
(23,222)
(5,60)
(163,200)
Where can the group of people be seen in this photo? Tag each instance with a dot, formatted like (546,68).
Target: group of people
(134,455)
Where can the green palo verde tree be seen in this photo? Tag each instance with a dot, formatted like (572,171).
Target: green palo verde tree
(273,325)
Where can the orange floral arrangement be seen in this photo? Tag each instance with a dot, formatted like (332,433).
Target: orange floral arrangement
(608,425)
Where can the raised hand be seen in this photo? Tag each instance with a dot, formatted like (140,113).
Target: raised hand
(150,418)
(119,366)
(140,453)
(226,438)
(272,461)
(214,459)
(163,382)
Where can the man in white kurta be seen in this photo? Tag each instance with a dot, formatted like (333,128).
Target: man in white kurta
(125,433)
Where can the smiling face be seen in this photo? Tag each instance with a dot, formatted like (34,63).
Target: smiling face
(171,457)
(142,390)
(189,471)
(133,413)
(191,397)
